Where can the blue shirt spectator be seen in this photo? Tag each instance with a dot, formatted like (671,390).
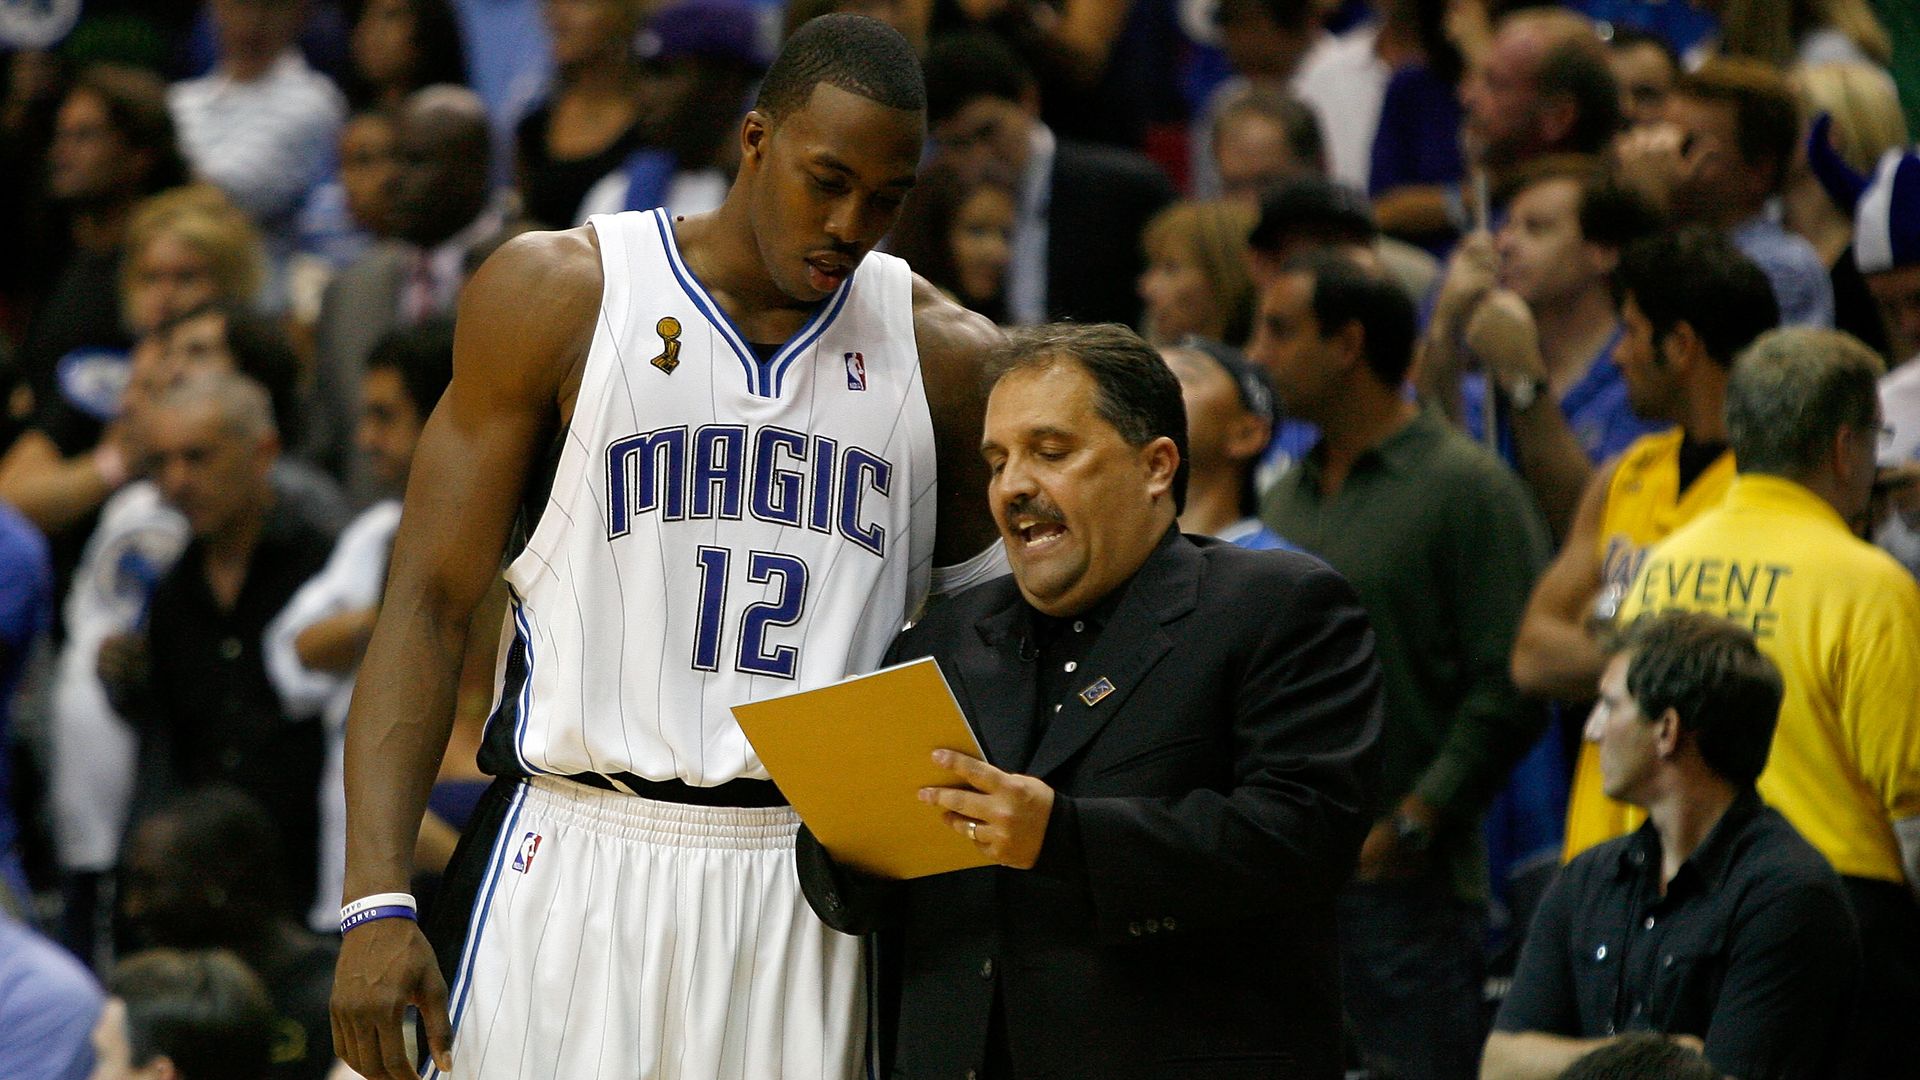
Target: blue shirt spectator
(48,1007)
(1596,409)
(26,610)
(1800,280)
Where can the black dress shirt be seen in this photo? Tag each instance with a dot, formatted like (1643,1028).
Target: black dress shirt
(215,710)
(1752,947)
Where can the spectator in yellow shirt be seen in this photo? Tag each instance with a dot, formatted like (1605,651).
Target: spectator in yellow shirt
(1841,618)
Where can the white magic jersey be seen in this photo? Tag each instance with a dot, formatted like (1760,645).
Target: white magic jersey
(720,529)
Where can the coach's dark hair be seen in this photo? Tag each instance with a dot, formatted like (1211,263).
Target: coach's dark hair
(1695,275)
(969,64)
(204,1011)
(1641,1055)
(1135,390)
(1345,292)
(1714,677)
(422,356)
(857,53)
(1792,391)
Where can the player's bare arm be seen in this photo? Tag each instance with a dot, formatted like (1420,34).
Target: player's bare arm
(1554,654)
(525,321)
(954,346)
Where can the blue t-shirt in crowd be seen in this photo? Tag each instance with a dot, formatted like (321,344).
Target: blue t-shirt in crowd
(48,1007)
(1596,409)
(1251,533)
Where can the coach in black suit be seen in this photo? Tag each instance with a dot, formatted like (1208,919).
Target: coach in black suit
(1182,737)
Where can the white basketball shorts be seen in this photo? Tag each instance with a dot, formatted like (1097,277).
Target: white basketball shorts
(622,938)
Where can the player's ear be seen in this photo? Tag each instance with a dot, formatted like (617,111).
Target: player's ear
(754,129)
(1162,460)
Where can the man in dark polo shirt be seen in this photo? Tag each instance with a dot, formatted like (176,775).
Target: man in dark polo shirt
(216,717)
(1714,923)
(1442,542)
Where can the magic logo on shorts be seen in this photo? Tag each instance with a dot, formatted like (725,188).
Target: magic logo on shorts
(523,859)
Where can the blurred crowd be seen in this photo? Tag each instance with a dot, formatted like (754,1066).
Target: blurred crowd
(1455,290)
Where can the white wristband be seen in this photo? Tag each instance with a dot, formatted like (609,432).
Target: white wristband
(385,899)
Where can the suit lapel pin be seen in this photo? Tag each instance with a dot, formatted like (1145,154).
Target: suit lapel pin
(1100,689)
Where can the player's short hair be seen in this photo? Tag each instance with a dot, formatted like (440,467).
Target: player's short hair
(422,356)
(1714,677)
(857,53)
(1135,391)
(1695,275)
(204,1011)
(1792,391)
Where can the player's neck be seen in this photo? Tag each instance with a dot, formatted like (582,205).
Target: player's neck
(720,250)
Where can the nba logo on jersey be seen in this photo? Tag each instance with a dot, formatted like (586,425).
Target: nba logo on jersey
(523,859)
(856,371)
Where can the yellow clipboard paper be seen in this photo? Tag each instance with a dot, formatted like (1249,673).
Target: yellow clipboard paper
(852,757)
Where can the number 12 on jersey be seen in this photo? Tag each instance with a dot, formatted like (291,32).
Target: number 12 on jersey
(751,654)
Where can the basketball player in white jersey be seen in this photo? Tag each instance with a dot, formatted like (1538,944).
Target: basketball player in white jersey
(748,412)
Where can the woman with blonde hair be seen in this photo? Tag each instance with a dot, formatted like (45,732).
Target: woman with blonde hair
(1196,278)
(1865,121)
(186,248)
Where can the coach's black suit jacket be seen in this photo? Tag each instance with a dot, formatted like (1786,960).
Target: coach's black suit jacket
(1180,922)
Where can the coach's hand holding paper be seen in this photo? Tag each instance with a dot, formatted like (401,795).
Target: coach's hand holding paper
(1004,814)
(857,758)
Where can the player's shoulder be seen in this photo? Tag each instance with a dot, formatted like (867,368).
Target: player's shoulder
(943,326)
(560,267)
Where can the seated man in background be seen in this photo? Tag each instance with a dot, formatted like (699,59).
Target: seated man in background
(183,1016)
(1715,922)
(214,714)
(1841,618)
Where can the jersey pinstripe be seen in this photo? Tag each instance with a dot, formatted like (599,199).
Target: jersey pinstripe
(721,527)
